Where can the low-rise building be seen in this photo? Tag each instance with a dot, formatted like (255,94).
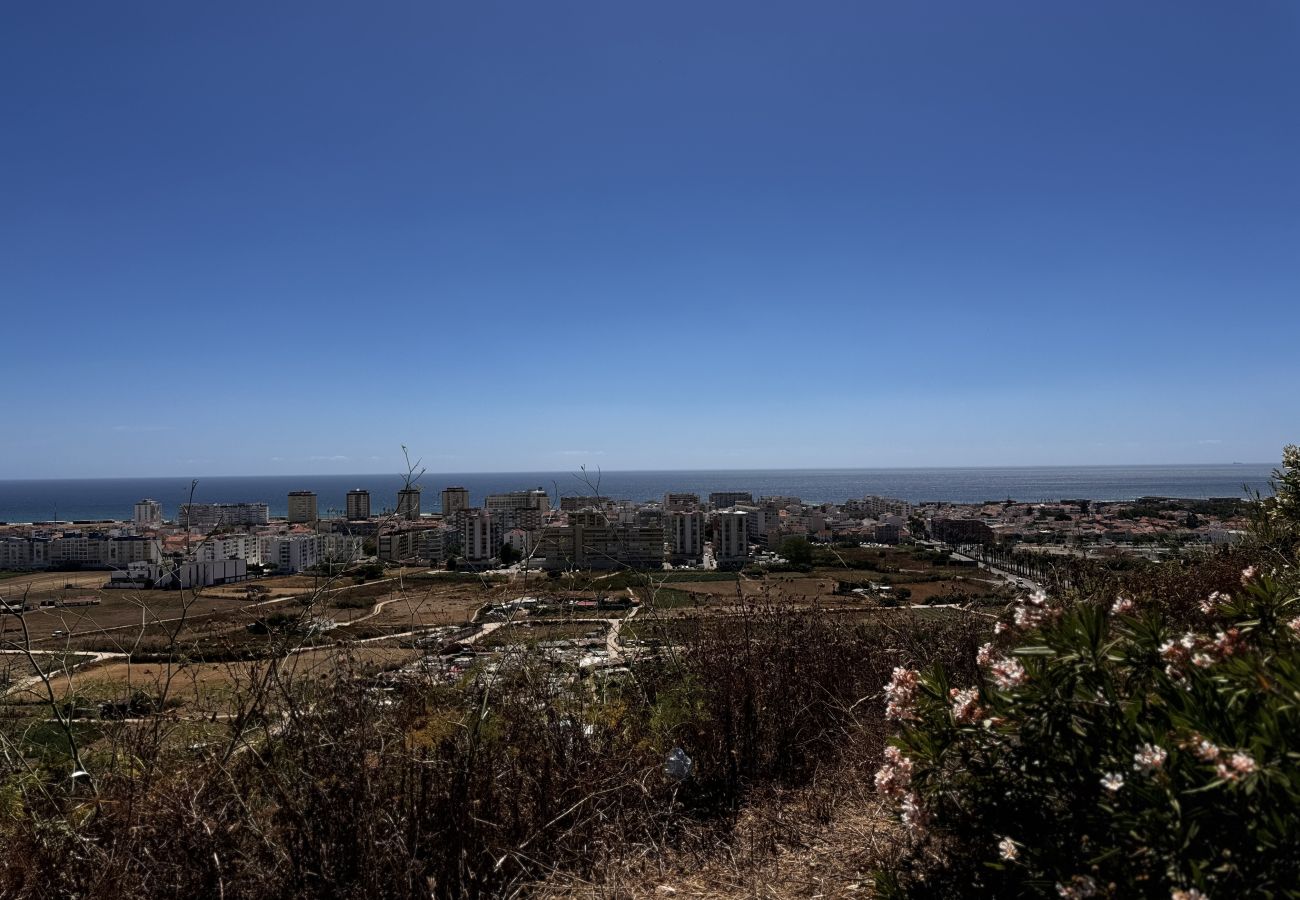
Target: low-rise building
(208,515)
(289,553)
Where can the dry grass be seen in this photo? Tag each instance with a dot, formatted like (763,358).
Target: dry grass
(823,840)
(204,684)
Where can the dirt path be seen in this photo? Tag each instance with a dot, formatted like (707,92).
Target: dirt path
(61,672)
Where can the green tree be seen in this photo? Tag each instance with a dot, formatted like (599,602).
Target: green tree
(508,555)
(798,551)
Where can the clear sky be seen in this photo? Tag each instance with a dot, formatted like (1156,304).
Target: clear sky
(249,237)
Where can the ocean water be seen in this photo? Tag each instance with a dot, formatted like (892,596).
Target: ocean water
(113,498)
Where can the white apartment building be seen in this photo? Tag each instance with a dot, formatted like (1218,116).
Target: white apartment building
(75,548)
(730,537)
(419,544)
(685,534)
(230,546)
(148,514)
(341,547)
(520,539)
(536,499)
(290,553)
(481,540)
(143,575)
(881,506)
(207,515)
(601,546)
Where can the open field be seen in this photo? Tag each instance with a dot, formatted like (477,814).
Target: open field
(531,634)
(149,621)
(205,687)
(211,643)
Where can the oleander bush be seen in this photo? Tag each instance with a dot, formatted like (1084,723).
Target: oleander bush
(1106,751)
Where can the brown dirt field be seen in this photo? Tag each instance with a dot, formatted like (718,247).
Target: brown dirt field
(424,608)
(117,609)
(207,683)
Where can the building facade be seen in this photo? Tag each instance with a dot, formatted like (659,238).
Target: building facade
(358,504)
(685,534)
(147,514)
(730,538)
(725,499)
(408,504)
(302,507)
(208,515)
(454,500)
(481,538)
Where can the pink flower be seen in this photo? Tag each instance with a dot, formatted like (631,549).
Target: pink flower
(1213,602)
(1149,758)
(965,706)
(985,655)
(1123,605)
(1112,781)
(901,694)
(1235,766)
(895,776)
(1247,575)
(1206,751)
(1228,643)
(1007,849)
(1294,627)
(915,816)
(1008,673)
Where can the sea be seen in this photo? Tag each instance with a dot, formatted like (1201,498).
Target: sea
(80,499)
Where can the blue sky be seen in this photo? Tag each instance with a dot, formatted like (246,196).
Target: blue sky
(248,238)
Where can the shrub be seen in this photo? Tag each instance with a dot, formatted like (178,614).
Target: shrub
(1107,751)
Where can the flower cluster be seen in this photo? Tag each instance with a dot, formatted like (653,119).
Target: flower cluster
(1112,781)
(1248,575)
(915,816)
(1205,750)
(1212,603)
(1149,758)
(1007,672)
(900,695)
(986,654)
(1199,650)
(1007,849)
(965,706)
(1123,606)
(895,777)
(1228,766)
(1294,627)
(1033,612)
(1236,766)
